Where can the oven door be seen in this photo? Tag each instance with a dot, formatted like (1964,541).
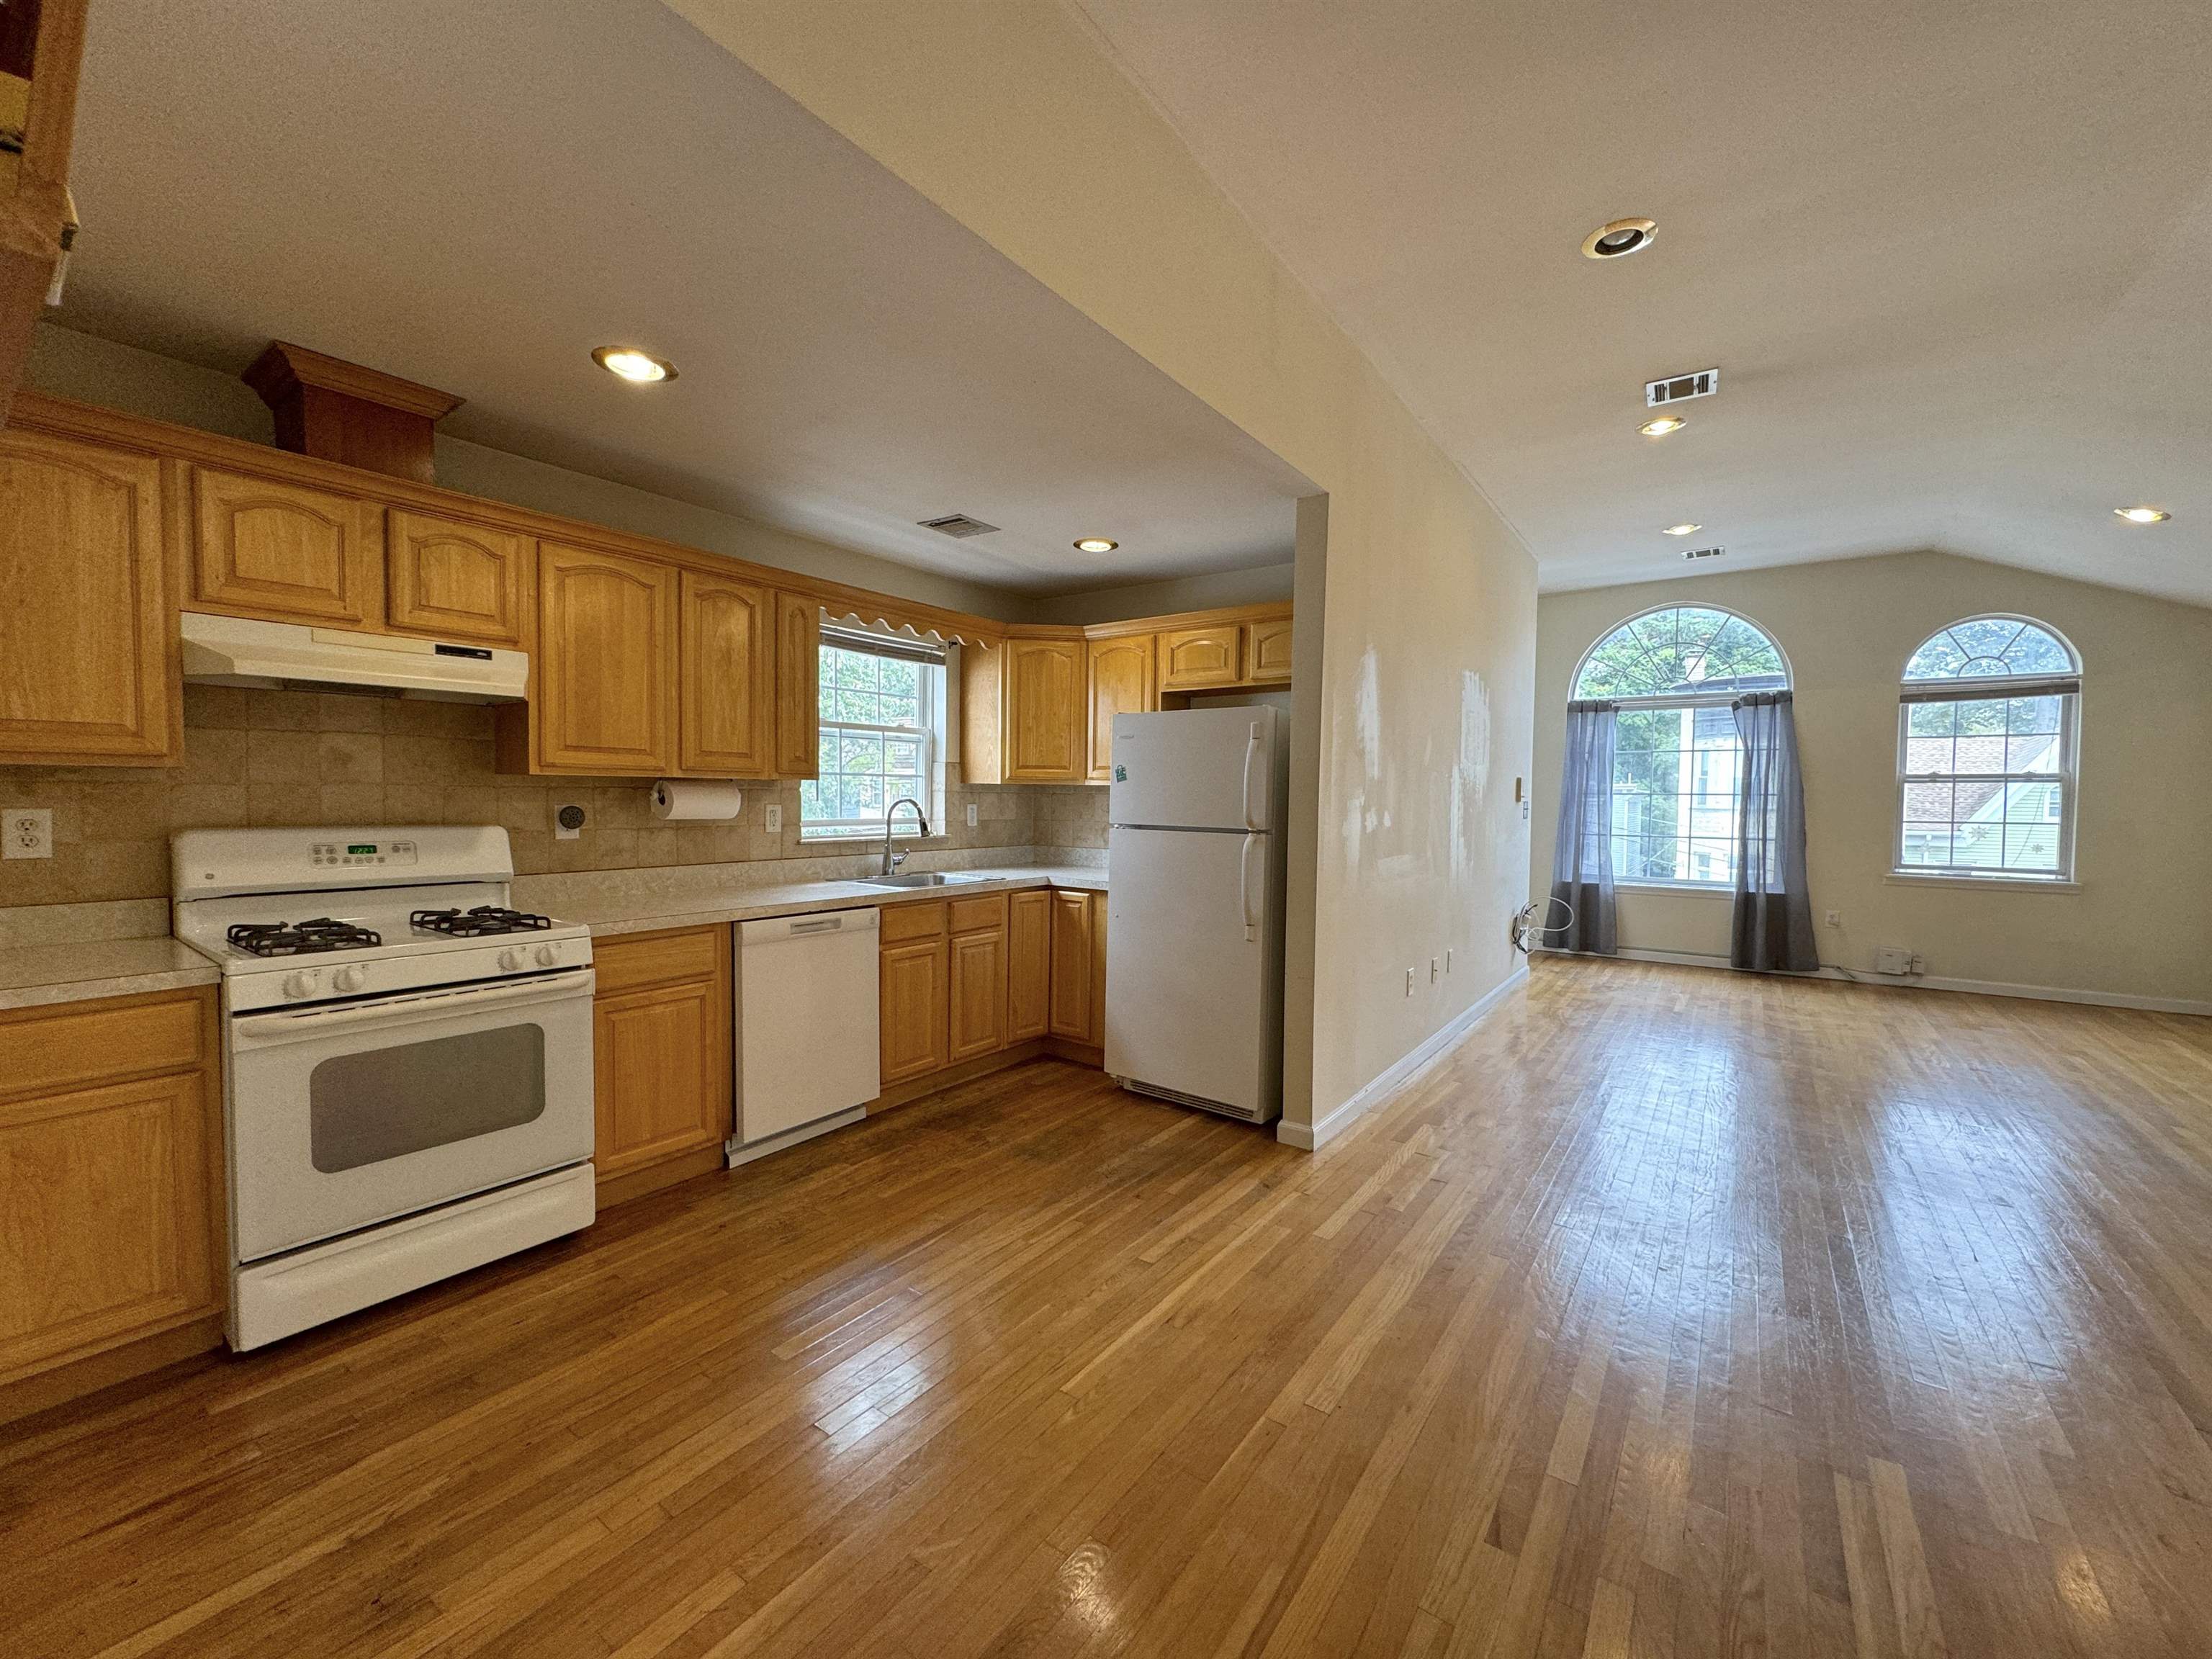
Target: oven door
(344,1115)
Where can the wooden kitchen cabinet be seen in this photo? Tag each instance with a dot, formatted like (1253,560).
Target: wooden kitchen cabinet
(1073,968)
(977,975)
(87,653)
(1267,652)
(40,100)
(1028,964)
(1120,683)
(726,697)
(454,580)
(661,1021)
(1200,658)
(111,1176)
(283,552)
(916,992)
(798,686)
(1021,709)
(606,668)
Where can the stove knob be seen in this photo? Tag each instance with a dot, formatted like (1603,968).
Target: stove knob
(348,978)
(512,960)
(300,982)
(549,955)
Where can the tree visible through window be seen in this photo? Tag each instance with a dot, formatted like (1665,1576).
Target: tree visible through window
(1986,760)
(1673,672)
(878,738)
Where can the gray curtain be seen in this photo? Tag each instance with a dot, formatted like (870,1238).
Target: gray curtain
(1773,929)
(1581,858)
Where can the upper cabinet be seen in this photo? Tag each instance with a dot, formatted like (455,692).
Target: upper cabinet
(1200,658)
(726,714)
(606,637)
(41,46)
(797,685)
(87,671)
(455,581)
(284,552)
(1043,717)
(1121,675)
(1267,652)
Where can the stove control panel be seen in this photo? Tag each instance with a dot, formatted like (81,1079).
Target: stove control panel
(361,855)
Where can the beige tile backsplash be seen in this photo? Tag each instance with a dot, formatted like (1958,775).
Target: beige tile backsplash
(299,757)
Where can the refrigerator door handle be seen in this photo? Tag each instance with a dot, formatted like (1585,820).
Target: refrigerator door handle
(1244,887)
(1252,752)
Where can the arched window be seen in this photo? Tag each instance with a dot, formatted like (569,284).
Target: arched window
(1673,673)
(1986,734)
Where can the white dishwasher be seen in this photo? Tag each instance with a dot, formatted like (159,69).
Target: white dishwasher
(807,1027)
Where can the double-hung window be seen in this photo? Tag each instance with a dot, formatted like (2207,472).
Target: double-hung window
(882,720)
(1988,719)
(1672,674)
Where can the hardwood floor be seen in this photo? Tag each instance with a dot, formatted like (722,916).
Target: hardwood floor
(1675,1313)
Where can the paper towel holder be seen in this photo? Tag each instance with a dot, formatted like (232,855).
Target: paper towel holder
(669,799)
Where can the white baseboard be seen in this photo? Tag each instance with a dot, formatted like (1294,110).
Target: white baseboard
(1312,1137)
(1980,987)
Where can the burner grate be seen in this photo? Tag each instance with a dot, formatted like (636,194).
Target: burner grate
(481,922)
(291,939)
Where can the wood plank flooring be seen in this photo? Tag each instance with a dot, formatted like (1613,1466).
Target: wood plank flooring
(1675,1313)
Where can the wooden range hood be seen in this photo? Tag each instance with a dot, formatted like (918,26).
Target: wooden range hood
(336,410)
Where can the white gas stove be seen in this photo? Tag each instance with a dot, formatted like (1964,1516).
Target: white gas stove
(407,1061)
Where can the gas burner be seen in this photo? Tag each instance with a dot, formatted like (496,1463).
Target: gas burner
(485,918)
(288,938)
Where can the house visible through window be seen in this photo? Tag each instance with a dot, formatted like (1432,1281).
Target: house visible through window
(1986,763)
(1673,672)
(882,714)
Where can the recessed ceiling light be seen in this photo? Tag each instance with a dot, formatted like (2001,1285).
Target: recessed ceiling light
(1662,425)
(1681,530)
(1096,545)
(632,364)
(2143,514)
(1622,236)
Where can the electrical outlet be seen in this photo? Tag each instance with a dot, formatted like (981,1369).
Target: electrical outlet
(775,818)
(971,815)
(568,821)
(30,833)
(1409,981)
(1835,918)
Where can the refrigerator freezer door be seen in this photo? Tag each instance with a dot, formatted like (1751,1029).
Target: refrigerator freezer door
(1197,768)
(1186,977)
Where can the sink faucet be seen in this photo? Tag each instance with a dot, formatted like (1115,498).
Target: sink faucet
(892,861)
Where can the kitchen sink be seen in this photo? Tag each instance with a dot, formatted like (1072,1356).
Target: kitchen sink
(919,878)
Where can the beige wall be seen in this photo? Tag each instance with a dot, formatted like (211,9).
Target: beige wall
(2140,925)
(1011,118)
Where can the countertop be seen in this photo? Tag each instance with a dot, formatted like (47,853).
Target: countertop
(32,976)
(741,904)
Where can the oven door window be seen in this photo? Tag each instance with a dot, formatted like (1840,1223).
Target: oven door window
(366,1107)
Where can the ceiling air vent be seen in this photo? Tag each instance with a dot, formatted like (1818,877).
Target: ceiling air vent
(1705,553)
(959,527)
(1679,388)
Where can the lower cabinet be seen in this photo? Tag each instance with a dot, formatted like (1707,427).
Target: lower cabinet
(111,1176)
(978,975)
(661,1047)
(965,978)
(1028,964)
(916,991)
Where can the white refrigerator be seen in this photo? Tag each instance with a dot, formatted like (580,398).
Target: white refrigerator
(1194,908)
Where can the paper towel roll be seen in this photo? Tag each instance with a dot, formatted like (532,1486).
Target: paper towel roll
(685,798)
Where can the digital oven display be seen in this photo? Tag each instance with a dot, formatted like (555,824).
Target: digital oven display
(362,849)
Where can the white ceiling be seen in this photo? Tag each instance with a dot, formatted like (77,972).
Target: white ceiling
(473,196)
(1954,261)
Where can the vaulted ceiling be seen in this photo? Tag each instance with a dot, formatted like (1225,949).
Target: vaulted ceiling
(1955,262)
